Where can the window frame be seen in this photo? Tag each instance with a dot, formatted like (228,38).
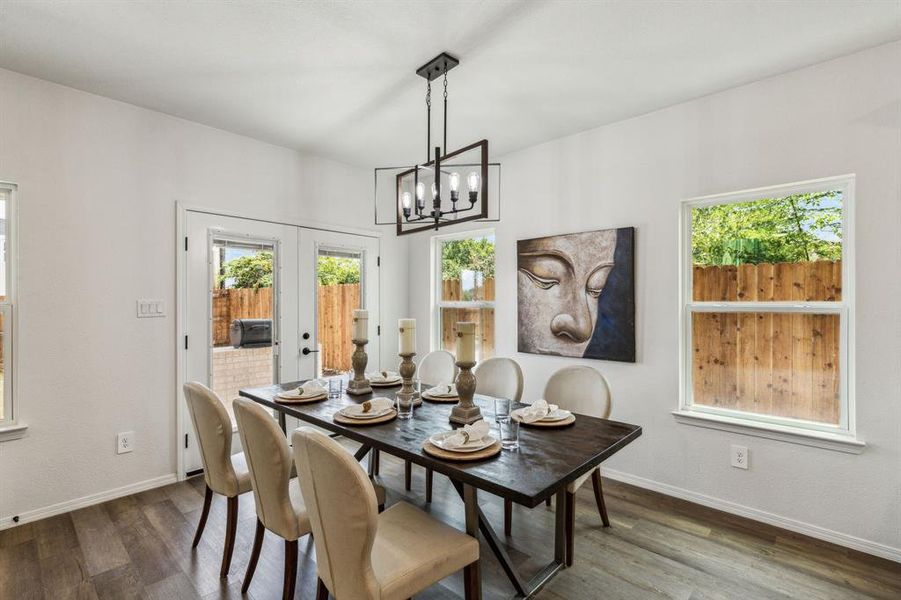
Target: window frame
(789,429)
(10,425)
(436,288)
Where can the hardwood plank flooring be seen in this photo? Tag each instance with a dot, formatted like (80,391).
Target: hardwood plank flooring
(657,547)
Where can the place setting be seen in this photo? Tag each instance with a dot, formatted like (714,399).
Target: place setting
(384,379)
(442,393)
(370,412)
(542,414)
(468,443)
(311,391)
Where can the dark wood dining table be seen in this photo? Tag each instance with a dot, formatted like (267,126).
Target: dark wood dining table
(547,460)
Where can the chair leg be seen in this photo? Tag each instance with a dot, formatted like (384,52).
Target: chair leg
(231,527)
(408,475)
(207,500)
(472,582)
(290,569)
(254,556)
(508,517)
(599,496)
(429,475)
(321,591)
(570,526)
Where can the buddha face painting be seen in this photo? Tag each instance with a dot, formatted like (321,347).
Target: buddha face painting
(561,280)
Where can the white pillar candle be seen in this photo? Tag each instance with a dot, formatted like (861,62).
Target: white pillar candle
(466,342)
(407,332)
(361,325)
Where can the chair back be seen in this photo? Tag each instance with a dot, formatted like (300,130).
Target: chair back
(438,367)
(341,504)
(580,389)
(269,462)
(499,377)
(214,437)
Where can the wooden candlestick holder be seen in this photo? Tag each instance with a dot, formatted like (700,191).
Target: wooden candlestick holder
(406,369)
(359,384)
(465,412)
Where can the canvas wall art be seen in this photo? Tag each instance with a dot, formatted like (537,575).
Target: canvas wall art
(576,295)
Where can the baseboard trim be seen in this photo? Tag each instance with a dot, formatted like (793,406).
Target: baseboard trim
(70,505)
(814,531)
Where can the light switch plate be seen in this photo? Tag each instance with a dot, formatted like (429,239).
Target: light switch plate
(148,309)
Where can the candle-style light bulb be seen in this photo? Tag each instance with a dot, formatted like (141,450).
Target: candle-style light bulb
(473,180)
(434,191)
(420,196)
(406,202)
(454,183)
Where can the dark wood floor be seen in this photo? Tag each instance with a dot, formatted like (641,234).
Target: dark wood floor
(658,547)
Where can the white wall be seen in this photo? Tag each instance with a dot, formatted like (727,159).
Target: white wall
(98,182)
(835,118)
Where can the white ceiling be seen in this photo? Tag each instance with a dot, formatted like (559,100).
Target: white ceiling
(337,78)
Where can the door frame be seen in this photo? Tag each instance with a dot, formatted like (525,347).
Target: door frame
(181,296)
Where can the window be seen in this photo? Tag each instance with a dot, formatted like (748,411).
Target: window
(7,279)
(767,299)
(464,289)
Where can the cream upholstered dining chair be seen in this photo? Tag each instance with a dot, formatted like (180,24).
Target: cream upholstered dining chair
(280,507)
(582,390)
(438,366)
(223,472)
(500,377)
(363,555)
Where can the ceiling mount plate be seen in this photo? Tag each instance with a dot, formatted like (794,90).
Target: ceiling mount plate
(436,67)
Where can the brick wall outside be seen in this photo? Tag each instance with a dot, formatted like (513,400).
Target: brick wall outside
(234,369)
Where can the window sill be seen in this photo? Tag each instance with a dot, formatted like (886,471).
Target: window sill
(817,439)
(12,432)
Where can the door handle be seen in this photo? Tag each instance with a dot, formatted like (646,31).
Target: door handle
(306,351)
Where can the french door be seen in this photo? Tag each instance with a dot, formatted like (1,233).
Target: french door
(266,303)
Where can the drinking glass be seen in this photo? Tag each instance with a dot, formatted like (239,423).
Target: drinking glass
(404,406)
(417,388)
(508,428)
(502,409)
(335,387)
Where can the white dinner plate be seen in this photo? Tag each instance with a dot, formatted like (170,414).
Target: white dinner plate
(471,446)
(558,415)
(355,411)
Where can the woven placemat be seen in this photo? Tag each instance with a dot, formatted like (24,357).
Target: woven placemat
(318,398)
(385,385)
(339,418)
(562,423)
(429,398)
(433,450)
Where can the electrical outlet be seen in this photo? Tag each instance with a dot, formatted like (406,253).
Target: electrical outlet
(125,442)
(740,457)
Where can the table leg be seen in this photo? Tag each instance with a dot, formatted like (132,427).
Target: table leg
(471,504)
(282,422)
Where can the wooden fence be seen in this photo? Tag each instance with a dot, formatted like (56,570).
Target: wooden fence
(783,364)
(336,306)
(483,317)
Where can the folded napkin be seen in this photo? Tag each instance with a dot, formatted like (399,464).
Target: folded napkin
(383,376)
(311,388)
(375,405)
(469,433)
(443,390)
(537,411)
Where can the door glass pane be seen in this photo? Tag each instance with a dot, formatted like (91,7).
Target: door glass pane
(777,364)
(771,249)
(242,328)
(339,293)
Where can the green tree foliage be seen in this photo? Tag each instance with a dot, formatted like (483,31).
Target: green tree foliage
(336,270)
(802,227)
(251,271)
(475,254)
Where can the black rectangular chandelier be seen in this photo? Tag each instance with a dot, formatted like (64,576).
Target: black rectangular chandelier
(428,194)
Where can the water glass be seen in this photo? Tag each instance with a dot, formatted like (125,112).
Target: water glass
(335,387)
(508,429)
(417,388)
(404,406)
(502,409)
